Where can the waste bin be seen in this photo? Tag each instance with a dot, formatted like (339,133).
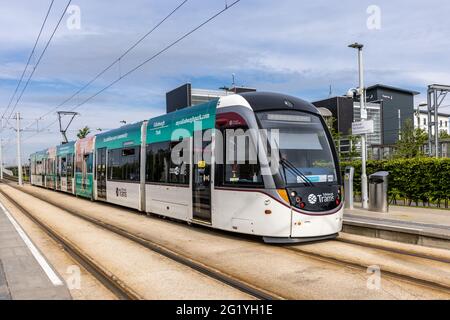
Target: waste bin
(348,187)
(378,192)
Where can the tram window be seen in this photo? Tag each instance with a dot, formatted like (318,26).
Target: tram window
(69,167)
(88,160)
(124,164)
(236,172)
(48,169)
(85,165)
(38,167)
(63,166)
(128,152)
(178,173)
(157,166)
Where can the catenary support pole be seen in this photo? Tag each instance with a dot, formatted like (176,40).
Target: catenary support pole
(19,152)
(1,151)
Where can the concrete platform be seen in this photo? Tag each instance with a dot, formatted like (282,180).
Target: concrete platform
(24,272)
(421,226)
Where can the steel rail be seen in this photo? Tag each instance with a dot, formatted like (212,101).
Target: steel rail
(200,267)
(393,250)
(116,286)
(387,273)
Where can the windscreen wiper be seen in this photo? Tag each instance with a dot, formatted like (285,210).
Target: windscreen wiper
(296,171)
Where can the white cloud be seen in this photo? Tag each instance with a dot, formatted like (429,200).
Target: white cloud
(291,46)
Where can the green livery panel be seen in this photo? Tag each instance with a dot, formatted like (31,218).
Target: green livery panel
(126,136)
(68,148)
(84,185)
(182,123)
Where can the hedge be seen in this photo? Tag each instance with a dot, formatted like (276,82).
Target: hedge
(415,180)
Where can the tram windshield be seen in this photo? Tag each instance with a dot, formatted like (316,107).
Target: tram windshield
(305,152)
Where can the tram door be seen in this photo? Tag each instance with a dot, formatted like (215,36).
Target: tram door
(101,173)
(69,170)
(201,187)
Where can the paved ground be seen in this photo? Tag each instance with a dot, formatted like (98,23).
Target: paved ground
(147,273)
(431,221)
(21,276)
(292,274)
(4,291)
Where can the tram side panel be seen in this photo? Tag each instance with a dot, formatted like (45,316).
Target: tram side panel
(251,212)
(63,158)
(50,173)
(84,160)
(169,185)
(36,170)
(168,188)
(40,170)
(118,166)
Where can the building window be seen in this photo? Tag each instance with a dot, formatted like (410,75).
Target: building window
(440,124)
(124,164)
(424,121)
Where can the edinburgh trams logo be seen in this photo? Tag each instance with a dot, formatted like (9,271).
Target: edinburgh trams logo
(321,198)
(312,199)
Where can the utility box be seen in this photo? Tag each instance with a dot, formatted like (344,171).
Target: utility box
(378,192)
(348,186)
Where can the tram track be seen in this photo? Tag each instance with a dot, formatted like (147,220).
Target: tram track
(364,267)
(393,250)
(117,287)
(10,178)
(231,281)
(242,285)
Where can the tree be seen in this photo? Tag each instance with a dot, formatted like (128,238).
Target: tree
(412,141)
(83,133)
(353,152)
(443,134)
(335,134)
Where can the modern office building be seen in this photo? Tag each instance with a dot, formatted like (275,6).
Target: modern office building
(186,96)
(397,107)
(345,111)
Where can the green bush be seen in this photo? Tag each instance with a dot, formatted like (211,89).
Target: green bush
(420,179)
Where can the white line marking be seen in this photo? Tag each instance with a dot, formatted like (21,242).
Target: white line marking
(56,281)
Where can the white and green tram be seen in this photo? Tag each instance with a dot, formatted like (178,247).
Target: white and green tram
(185,166)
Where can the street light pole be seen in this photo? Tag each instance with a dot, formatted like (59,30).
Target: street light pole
(362,94)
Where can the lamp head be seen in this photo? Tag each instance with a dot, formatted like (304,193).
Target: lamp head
(356,45)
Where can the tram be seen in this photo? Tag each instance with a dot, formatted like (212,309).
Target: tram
(195,165)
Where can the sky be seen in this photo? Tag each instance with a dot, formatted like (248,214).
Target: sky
(289,46)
